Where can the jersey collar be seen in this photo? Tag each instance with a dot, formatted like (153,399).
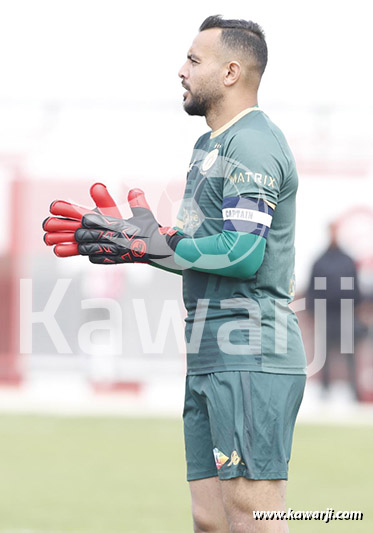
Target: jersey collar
(233,121)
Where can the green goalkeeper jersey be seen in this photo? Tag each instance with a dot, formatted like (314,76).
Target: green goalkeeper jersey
(235,324)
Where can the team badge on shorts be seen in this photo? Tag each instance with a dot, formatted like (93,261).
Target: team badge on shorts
(220,458)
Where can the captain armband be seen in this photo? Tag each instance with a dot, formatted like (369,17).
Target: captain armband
(249,215)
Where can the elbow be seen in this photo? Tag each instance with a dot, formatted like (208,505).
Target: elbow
(248,272)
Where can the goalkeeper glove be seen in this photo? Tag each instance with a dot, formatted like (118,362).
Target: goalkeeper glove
(140,239)
(60,230)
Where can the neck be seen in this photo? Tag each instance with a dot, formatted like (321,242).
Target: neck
(225,111)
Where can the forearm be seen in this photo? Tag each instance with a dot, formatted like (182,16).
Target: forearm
(230,253)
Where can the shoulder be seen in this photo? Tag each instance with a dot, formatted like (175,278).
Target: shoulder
(202,140)
(258,133)
(260,145)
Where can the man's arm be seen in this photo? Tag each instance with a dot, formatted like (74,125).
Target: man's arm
(235,252)
(232,254)
(238,250)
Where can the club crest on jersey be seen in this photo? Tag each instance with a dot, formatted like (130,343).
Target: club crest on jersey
(210,160)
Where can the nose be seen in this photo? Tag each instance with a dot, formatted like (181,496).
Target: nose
(183,73)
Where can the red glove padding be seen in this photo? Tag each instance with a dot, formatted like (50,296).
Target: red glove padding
(60,229)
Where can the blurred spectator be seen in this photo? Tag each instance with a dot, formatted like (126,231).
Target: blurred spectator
(327,283)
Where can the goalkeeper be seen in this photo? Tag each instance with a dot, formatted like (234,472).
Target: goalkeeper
(233,244)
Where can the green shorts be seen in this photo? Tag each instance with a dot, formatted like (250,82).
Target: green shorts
(240,424)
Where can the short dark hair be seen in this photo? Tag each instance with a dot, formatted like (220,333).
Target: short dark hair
(243,35)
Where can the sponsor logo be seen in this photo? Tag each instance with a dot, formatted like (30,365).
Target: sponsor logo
(235,459)
(256,177)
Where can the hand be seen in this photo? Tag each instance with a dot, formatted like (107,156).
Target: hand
(113,240)
(60,230)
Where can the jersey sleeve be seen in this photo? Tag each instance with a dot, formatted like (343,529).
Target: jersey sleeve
(253,166)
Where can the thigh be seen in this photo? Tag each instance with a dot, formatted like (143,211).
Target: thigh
(241,497)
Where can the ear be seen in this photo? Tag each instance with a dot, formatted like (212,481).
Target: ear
(232,73)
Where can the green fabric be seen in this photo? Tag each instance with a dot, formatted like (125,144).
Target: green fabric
(251,158)
(243,419)
(230,253)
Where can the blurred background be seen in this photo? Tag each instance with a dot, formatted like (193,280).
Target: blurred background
(89,92)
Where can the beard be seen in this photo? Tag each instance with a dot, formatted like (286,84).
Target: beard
(200,104)
(197,105)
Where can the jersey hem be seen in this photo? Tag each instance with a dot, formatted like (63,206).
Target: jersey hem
(249,368)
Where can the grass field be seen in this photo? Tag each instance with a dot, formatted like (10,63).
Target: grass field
(114,475)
